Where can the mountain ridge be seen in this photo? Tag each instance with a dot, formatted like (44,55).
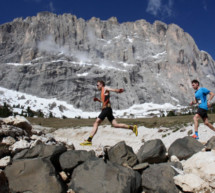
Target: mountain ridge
(62,56)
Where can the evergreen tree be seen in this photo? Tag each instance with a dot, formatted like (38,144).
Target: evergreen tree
(40,113)
(50,115)
(171,113)
(30,113)
(5,111)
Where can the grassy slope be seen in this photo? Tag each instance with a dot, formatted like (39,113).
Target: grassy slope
(147,122)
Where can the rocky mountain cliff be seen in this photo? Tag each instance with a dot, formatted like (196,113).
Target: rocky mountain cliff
(61,56)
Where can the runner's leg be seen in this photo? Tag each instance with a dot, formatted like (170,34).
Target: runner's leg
(95,127)
(120,125)
(208,124)
(196,122)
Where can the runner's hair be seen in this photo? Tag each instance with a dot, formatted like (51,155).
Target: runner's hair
(195,81)
(102,82)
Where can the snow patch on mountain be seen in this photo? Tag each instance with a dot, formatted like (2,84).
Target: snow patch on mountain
(83,74)
(159,54)
(20,101)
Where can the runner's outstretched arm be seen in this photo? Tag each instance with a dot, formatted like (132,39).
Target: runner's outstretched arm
(115,90)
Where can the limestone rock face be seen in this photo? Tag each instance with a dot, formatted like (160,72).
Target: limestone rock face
(191,183)
(205,168)
(61,56)
(199,173)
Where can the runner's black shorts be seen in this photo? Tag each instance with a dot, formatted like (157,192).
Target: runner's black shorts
(202,113)
(106,112)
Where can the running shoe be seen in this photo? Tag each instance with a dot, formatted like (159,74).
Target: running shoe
(86,143)
(135,130)
(195,136)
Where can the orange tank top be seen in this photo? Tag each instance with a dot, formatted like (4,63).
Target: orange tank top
(104,98)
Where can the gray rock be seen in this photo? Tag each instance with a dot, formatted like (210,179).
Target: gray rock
(70,159)
(159,178)
(4,186)
(210,144)
(4,150)
(5,161)
(8,130)
(140,167)
(33,175)
(177,165)
(41,150)
(20,122)
(50,152)
(153,151)
(97,176)
(137,56)
(190,132)
(122,154)
(184,148)
(8,140)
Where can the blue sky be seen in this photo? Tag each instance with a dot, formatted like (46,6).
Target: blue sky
(197,17)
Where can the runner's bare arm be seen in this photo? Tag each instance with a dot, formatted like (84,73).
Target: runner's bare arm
(114,90)
(211,97)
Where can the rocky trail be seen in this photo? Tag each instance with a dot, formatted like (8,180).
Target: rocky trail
(40,159)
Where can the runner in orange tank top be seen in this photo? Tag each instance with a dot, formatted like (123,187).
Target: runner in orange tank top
(107,112)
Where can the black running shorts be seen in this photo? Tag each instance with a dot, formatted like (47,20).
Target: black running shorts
(202,113)
(106,112)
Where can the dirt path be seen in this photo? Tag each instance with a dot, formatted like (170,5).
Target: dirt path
(109,136)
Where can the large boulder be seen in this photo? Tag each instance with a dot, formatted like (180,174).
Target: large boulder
(104,177)
(19,121)
(9,130)
(153,151)
(202,164)
(199,173)
(210,144)
(159,178)
(5,161)
(19,146)
(191,183)
(122,154)
(70,159)
(33,175)
(4,187)
(41,150)
(184,148)
(51,152)
(8,140)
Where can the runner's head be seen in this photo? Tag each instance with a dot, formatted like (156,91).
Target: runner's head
(100,84)
(195,84)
